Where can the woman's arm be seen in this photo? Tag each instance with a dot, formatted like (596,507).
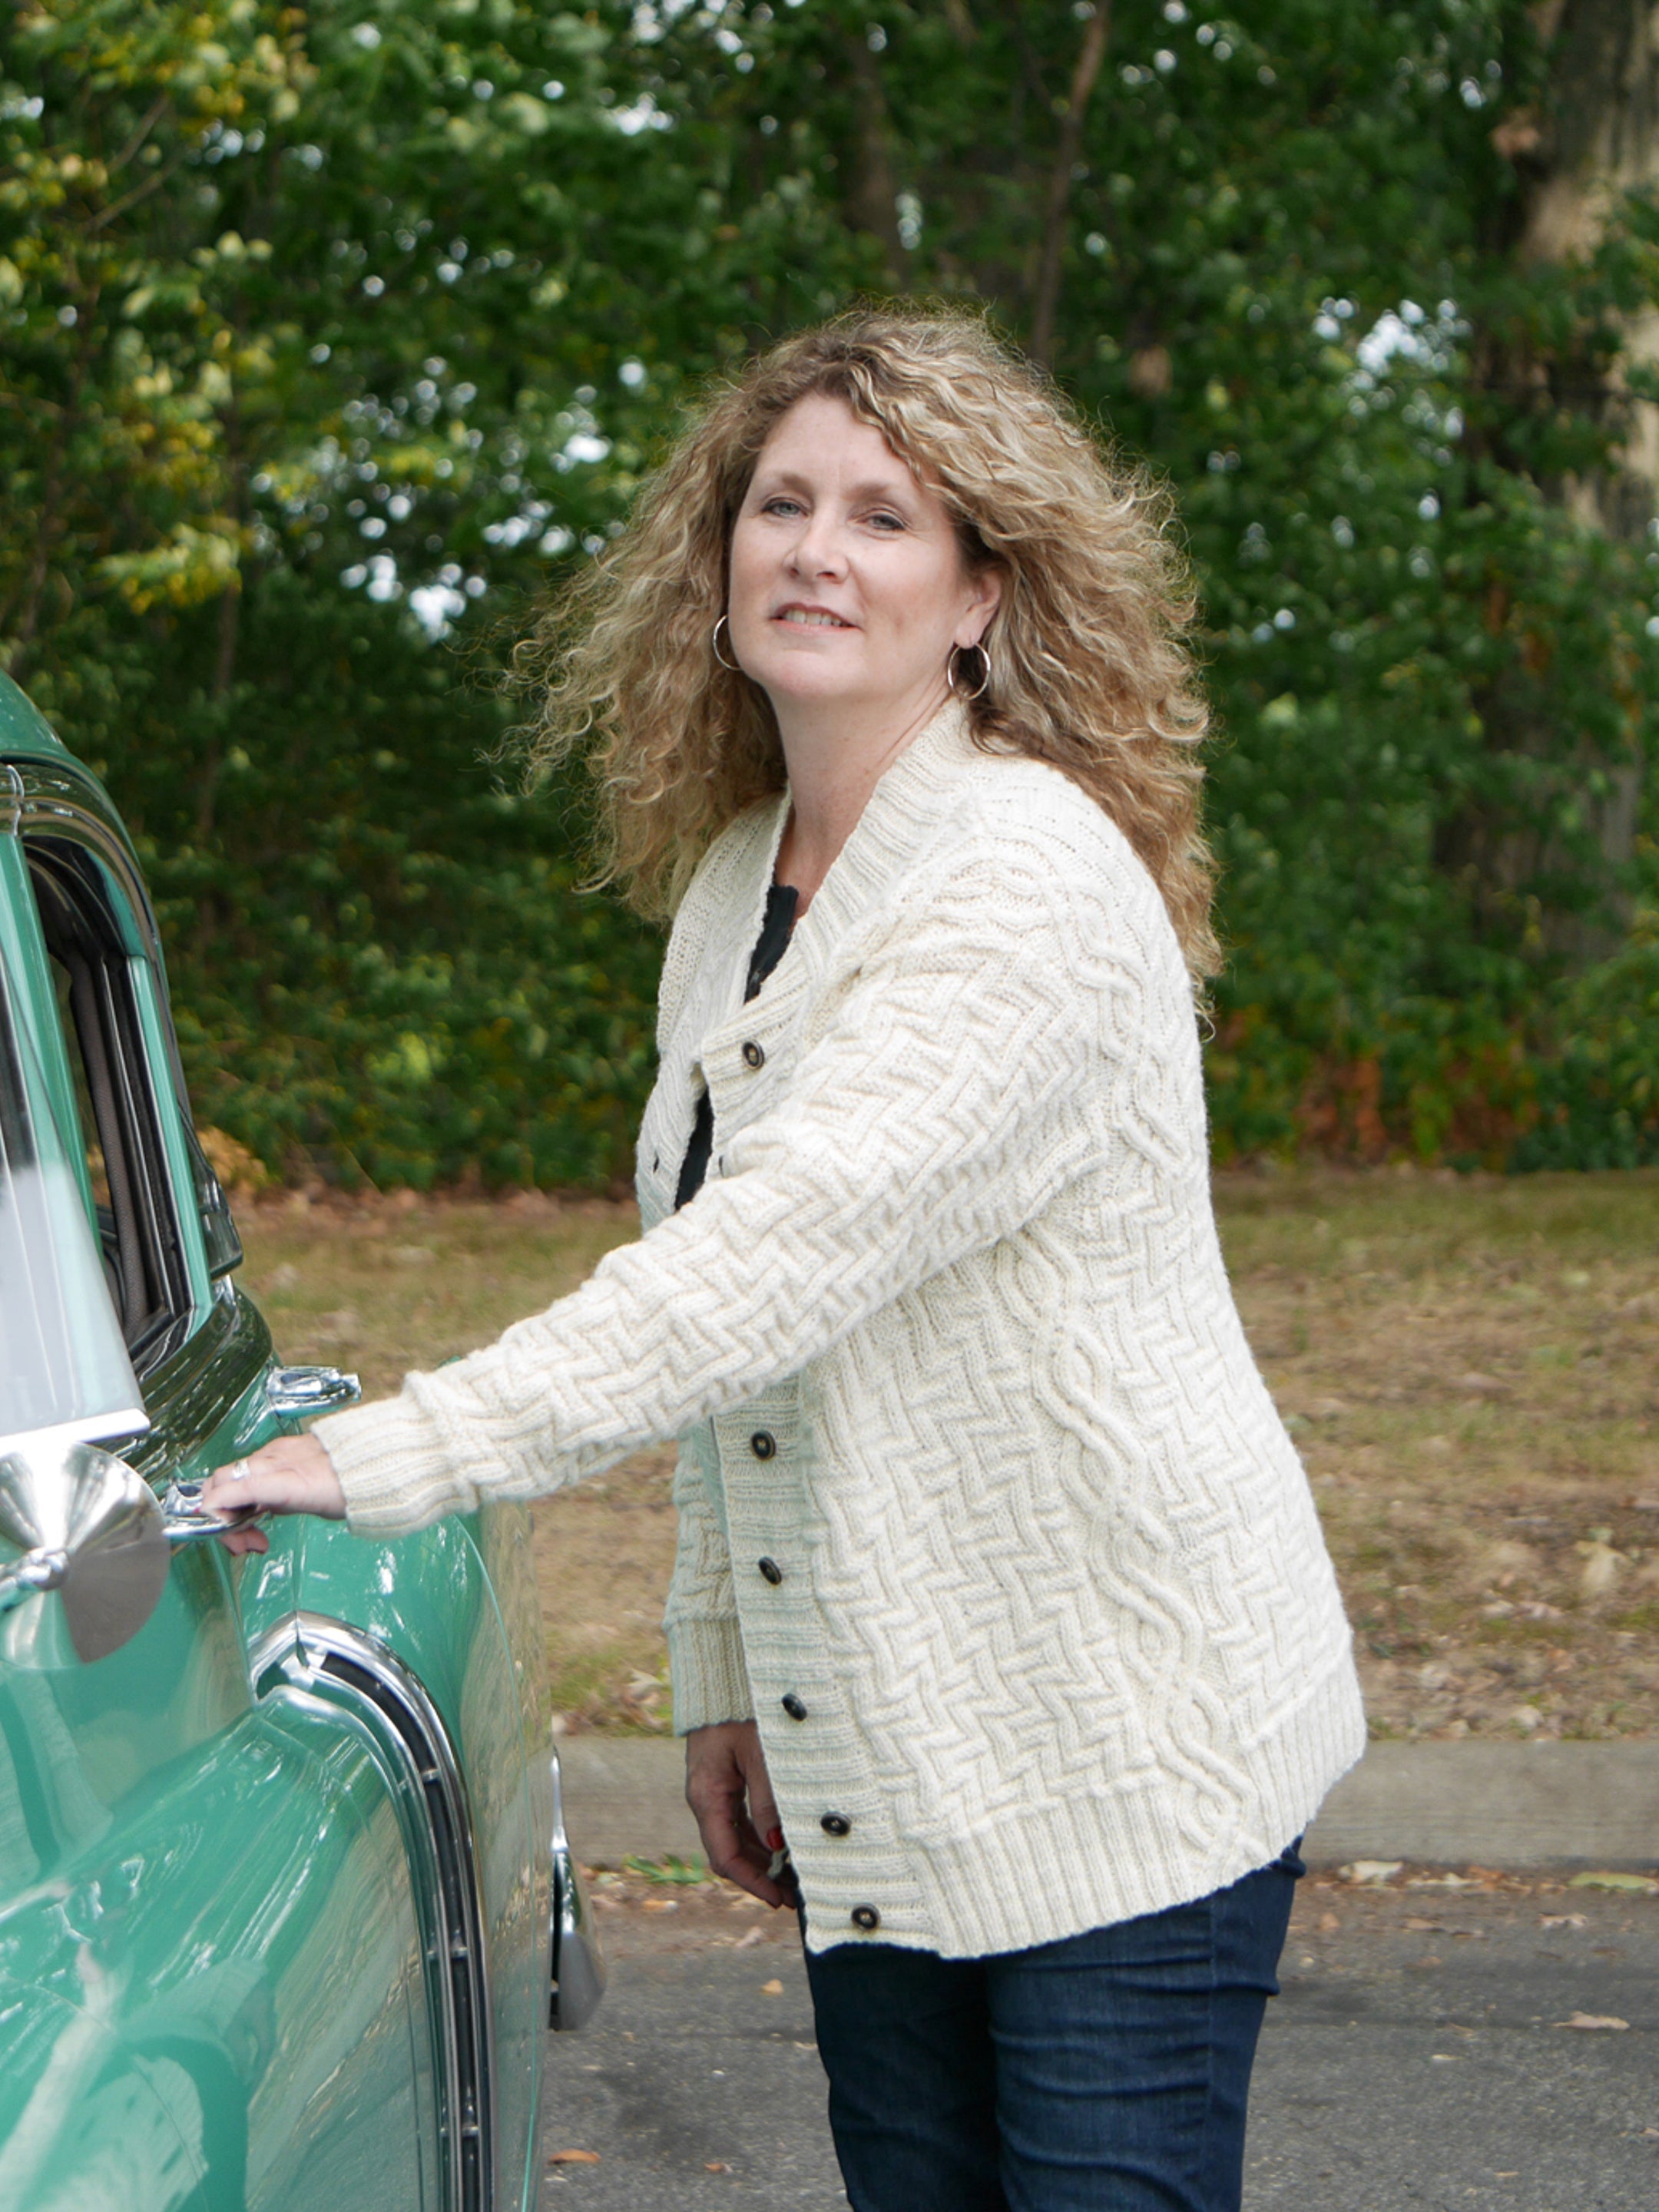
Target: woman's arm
(982,1058)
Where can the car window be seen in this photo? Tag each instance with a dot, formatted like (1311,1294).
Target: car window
(135,1216)
(63,1365)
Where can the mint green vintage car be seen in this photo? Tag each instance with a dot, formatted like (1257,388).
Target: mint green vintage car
(285,1904)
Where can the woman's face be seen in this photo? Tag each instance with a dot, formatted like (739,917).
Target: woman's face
(847,583)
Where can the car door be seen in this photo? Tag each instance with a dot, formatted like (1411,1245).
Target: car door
(219,1978)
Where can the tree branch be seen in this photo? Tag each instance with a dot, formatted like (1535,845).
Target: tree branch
(1090,57)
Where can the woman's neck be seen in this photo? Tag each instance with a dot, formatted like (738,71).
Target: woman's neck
(834,760)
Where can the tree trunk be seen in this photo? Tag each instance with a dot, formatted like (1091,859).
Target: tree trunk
(874,198)
(1596,141)
(1601,142)
(56,495)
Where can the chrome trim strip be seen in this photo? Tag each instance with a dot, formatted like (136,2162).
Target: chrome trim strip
(329,1659)
(57,802)
(577,1970)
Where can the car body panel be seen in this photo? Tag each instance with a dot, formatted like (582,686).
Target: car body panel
(216,1895)
(238,1938)
(431,1601)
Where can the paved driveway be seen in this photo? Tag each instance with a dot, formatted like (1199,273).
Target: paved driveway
(1414,2062)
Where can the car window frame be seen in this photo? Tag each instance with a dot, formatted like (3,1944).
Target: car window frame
(56,807)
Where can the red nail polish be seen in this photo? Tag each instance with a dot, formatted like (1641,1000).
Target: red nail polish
(775,1840)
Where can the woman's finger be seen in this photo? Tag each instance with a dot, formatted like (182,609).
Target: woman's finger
(293,1475)
(239,1541)
(757,1783)
(715,1789)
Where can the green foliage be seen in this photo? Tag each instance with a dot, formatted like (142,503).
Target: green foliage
(671,1871)
(330,334)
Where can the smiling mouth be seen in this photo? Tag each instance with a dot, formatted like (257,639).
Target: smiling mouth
(811,618)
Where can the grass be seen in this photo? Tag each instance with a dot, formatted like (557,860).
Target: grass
(1467,1365)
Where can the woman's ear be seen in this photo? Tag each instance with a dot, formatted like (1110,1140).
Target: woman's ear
(985,597)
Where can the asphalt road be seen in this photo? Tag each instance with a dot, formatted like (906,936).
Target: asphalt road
(1415,2063)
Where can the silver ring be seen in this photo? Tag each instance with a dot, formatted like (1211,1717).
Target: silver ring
(239,1470)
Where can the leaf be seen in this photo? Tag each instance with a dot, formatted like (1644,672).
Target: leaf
(772,1988)
(1644,1885)
(1591,2020)
(1370,1873)
(574,2158)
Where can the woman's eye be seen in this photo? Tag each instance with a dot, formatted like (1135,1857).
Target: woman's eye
(781,506)
(883,520)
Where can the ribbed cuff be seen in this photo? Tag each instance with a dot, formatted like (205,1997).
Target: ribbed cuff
(710,1680)
(393,1468)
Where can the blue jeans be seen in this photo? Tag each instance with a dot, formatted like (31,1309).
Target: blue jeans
(1110,2071)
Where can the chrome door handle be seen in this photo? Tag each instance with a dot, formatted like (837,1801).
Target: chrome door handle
(184,1521)
(297,1391)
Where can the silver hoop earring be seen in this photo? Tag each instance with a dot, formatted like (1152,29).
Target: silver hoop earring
(984,684)
(722,624)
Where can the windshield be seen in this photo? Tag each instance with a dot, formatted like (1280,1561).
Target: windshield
(63,1364)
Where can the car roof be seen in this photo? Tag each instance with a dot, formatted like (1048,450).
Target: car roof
(25,732)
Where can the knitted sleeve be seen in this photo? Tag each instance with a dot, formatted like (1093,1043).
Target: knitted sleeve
(705,1645)
(970,1070)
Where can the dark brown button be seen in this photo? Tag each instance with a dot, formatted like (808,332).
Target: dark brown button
(866,1916)
(753,1055)
(835,1824)
(771,1570)
(764,1443)
(793,1707)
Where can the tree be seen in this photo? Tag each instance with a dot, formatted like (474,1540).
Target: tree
(331,336)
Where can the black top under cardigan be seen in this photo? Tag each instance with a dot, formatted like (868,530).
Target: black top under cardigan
(781,900)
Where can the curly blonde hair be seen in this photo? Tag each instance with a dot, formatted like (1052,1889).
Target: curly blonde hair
(1091,671)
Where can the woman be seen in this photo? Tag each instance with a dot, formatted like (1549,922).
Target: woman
(1001,1623)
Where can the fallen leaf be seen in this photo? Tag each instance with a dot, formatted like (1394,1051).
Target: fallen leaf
(1591,2020)
(1643,1884)
(715,2165)
(1561,1920)
(1369,1872)
(771,1988)
(747,1942)
(575,2158)
(1329,1922)
(660,1904)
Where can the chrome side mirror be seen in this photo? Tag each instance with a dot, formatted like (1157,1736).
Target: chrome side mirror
(90,1532)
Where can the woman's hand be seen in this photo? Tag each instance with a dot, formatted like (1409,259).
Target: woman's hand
(726,1787)
(294,1475)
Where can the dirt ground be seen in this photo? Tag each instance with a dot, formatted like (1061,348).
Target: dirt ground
(1467,1365)
(643,1915)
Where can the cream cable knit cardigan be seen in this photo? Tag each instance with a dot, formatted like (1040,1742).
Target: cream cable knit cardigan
(977,1468)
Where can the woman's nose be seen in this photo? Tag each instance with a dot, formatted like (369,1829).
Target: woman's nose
(819,550)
